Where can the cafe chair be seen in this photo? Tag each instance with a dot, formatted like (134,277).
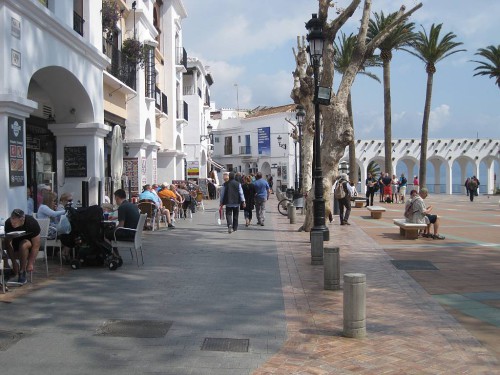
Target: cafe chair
(44,233)
(149,208)
(136,244)
(55,243)
(199,199)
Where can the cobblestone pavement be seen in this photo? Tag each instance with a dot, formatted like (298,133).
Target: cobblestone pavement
(409,330)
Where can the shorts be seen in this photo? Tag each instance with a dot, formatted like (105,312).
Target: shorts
(402,190)
(432,218)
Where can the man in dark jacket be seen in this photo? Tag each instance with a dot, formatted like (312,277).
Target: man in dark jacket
(231,196)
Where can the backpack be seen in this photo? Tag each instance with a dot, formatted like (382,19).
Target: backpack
(409,211)
(339,192)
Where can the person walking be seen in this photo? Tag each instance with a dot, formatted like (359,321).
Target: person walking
(466,184)
(249,193)
(416,183)
(232,197)
(262,191)
(343,195)
(402,187)
(472,186)
(371,187)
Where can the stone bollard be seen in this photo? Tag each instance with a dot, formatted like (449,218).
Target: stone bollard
(291,212)
(316,248)
(331,268)
(354,305)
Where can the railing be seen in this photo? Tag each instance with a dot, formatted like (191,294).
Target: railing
(164,103)
(245,150)
(78,22)
(120,67)
(181,56)
(182,110)
(188,90)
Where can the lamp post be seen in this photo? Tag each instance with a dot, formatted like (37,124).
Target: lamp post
(316,41)
(207,136)
(300,116)
(282,145)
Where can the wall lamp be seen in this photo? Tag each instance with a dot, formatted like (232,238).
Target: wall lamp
(282,145)
(207,136)
(126,149)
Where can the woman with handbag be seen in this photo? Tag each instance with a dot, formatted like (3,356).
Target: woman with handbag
(371,188)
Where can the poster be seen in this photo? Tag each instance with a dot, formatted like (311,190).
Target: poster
(193,169)
(131,170)
(16,151)
(264,141)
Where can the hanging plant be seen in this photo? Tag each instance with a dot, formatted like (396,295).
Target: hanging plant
(110,17)
(135,51)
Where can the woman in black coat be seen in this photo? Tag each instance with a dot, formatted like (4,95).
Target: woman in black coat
(249,193)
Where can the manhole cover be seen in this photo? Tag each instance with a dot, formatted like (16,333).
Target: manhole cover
(225,345)
(9,338)
(414,265)
(134,328)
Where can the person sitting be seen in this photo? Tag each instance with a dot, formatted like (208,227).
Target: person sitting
(188,200)
(147,194)
(25,247)
(30,201)
(128,217)
(417,212)
(46,211)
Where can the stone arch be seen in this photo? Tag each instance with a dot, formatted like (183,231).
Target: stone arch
(462,167)
(265,168)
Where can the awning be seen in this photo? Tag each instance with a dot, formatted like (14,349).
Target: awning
(216,165)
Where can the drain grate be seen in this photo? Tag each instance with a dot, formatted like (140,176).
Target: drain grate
(9,338)
(414,265)
(225,345)
(134,328)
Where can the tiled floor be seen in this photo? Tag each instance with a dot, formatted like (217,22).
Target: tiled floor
(410,331)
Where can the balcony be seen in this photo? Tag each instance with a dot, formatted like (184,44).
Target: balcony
(164,103)
(120,68)
(181,57)
(188,90)
(78,22)
(182,110)
(245,150)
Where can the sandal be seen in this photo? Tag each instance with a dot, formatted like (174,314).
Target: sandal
(438,237)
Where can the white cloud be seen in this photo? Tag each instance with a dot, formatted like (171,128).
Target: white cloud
(439,117)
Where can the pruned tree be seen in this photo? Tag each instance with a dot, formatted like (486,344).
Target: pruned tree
(337,128)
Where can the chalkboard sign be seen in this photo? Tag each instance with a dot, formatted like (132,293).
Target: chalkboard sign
(75,161)
(203,184)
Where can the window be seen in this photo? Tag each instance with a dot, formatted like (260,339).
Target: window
(239,139)
(228,145)
(216,139)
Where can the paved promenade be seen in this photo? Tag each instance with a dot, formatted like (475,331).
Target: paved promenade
(257,284)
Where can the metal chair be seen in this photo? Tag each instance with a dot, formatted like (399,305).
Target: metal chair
(136,244)
(199,199)
(55,243)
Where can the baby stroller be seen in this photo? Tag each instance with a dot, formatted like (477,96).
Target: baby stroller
(87,239)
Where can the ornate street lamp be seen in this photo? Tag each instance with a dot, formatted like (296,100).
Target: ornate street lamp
(316,41)
(300,116)
(207,136)
(282,145)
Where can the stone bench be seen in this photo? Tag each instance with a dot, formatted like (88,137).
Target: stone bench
(409,230)
(376,211)
(359,202)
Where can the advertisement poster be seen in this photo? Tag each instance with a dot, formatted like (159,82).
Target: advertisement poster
(131,170)
(193,169)
(264,141)
(16,151)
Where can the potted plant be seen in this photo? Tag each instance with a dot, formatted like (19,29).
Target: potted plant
(135,51)
(110,17)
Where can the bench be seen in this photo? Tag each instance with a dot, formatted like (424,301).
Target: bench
(358,202)
(376,211)
(409,230)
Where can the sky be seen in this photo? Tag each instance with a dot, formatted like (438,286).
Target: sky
(248,47)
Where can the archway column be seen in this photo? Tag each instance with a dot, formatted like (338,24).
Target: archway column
(449,177)
(490,176)
(12,109)
(88,135)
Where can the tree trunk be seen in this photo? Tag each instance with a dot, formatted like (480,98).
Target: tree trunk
(353,170)
(425,132)
(387,117)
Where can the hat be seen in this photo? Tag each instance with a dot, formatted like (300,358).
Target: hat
(43,186)
(344,176)
(164,184)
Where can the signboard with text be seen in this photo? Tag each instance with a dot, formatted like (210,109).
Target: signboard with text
(193,169)
(16,151)
(131,170)
(264,141)
(75,161)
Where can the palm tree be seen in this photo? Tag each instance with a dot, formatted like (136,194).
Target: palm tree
(431,49)
(373,168)
(343,54)
(401,36)
(492,54)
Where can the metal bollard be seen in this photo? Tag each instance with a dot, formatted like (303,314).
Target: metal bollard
(331,268)
(291,212)
(354,305)
(316,248)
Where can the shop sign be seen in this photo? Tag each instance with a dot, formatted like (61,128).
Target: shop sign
(193,169)
(131,170)
(16,151)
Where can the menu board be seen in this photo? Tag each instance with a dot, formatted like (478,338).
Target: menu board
(16,151)
(75,161)
(131,170)
(203,184)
